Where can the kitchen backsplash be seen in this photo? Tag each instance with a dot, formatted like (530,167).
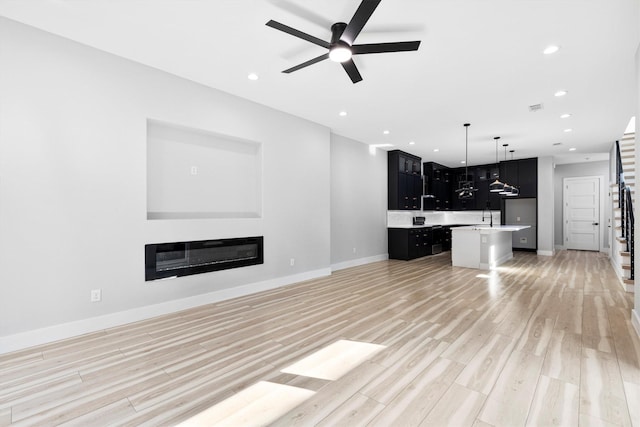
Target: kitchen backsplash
(405,218)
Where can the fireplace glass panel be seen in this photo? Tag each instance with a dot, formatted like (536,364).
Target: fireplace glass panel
(185,258)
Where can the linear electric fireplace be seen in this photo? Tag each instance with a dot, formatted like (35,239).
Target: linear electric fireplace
(164,260)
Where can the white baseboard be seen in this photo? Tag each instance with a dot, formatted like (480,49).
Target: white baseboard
(79,327)
(359,261)
(546,253)
(635,320)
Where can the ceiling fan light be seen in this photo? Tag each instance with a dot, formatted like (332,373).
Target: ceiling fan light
(340,53)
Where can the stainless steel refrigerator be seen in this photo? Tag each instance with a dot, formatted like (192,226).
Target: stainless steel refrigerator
(522,211)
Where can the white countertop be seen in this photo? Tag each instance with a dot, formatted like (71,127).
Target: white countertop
(466,227)
(487,229)
(416,226)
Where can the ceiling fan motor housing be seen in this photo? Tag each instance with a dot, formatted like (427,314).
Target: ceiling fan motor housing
(336,32)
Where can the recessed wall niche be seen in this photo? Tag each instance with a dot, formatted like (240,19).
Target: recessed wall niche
(193,173)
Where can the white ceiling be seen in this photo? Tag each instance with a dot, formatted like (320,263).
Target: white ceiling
(480,61)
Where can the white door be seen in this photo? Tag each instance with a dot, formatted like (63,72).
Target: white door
(581,201)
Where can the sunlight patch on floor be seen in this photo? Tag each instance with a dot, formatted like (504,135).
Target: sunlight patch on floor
(257,405)
(335,360)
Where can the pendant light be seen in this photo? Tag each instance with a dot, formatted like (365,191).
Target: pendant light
(466,189)
(496,186)
(506,189)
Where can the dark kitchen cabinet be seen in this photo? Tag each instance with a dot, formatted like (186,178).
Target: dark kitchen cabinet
(438,184)
(442,182)
(481,177)
(410,243)
(404,180)
(528,177)
(484,176)
(509,172)
(446,238)
(460,175)
(522,173)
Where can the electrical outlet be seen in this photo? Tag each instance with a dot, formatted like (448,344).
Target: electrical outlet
(96,295)
(292,262)
(354,250)
(518,218)
(194,170)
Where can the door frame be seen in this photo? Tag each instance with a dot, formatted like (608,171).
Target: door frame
(601,209)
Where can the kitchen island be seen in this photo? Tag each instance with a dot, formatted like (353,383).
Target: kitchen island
(482,247)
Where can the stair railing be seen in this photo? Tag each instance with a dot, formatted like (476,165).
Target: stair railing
(619,174)
(625,203)
(628,227)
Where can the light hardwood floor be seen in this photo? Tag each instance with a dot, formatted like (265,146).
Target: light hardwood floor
(542,341)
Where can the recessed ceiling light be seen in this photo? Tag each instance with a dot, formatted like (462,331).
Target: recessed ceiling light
(386,132)
(343,113)
(568,130)
(560,93)
(380,145)
(463,162)
(412,143)
(435,150)
(565,116)
(551,49)
(252,76)
(572,149)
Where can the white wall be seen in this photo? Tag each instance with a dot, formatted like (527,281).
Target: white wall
(73,191)
(358,203)
(545,206)
(571,170)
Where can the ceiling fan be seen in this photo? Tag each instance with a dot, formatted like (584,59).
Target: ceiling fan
(341,47)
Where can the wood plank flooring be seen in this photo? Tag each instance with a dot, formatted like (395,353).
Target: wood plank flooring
(540,341)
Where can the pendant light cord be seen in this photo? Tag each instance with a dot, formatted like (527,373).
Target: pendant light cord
(466,151)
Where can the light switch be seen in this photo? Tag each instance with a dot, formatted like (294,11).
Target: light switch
(518,219)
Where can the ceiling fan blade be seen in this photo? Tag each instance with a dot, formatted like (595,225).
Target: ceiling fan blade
(306,64)
(359,19)
(297,33)
(360,49)
(351,69)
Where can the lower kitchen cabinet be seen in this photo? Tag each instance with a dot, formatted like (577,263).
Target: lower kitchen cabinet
(446,238)
(411,243)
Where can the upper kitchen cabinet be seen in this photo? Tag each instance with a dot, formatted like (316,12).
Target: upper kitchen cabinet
(528,177)
(404,180)
(437,185)
(484,176)
(523,173)
(459,176)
